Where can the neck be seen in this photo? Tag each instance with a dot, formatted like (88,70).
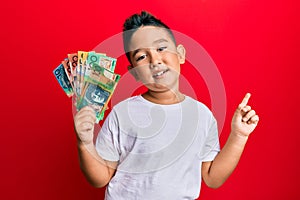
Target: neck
(165,97)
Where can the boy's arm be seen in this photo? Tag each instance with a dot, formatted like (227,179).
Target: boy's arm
(244,121)
(96,170)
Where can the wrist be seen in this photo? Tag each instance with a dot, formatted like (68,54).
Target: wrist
(84,145)
(239,136)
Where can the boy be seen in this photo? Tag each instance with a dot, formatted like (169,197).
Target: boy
(158,145)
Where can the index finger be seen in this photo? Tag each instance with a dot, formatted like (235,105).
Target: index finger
(245,101)
(88,108)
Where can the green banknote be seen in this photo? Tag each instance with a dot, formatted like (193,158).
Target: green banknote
(100,86)
(96,97)
(102,60)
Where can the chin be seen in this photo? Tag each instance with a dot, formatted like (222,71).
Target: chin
(154,87)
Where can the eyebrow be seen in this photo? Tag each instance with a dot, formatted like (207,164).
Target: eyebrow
(155,42)
(160,41)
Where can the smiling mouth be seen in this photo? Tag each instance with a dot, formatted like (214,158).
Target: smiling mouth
(160,73)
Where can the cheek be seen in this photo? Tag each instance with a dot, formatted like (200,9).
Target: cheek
(173,63)
(171,57)
(143,72)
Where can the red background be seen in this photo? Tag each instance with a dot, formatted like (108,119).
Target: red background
(255,45)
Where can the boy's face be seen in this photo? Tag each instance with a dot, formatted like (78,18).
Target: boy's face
(155,59)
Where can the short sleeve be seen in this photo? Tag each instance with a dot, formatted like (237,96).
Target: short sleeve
(211,146)
(107,145)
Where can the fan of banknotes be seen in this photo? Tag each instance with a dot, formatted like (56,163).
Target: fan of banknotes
(89,77)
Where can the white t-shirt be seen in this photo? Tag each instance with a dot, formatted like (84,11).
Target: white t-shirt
(160,148)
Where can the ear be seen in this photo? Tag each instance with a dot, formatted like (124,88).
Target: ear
(132,71)
(181,53)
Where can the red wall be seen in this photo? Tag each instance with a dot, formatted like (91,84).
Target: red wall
(255,45)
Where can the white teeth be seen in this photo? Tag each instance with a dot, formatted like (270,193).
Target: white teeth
(159,73)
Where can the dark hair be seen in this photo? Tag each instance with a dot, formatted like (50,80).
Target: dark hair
(135,21)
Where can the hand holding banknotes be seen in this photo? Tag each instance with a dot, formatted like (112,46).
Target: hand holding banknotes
(84,122)
(89,77)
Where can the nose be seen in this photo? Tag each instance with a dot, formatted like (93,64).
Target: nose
(156,58)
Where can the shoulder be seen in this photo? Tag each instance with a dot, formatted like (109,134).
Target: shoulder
(119,111)
(199,112)
(128,106)
(202,108)
(134,100)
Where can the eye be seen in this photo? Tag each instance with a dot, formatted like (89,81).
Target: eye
(141,57)
(161,49)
